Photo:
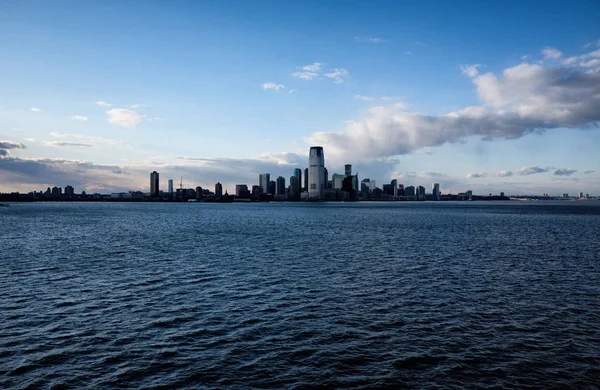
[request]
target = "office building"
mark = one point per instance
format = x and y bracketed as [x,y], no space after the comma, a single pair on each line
[263,181]
[348,170]
[272,187]
[241,190]
[57,191]
[69,191]
[154,185]
[325,177]
[171,187]
[305,188]
[218,190]
[395,190]
[298,175]
[372,185]
[280,184]
[256,191]
[420,193]
[294,187]
[337,181]
[316,173]
[580,194]
[401,190]
[409,191]
[435,191]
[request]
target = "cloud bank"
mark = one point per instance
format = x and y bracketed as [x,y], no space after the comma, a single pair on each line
[523,99]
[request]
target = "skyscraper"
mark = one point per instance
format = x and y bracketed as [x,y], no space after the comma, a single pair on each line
[171,187]
[241,190]
[218,190]
[348,170]
[305,188]
[280,185]
[316,173]
[337,181]
[263,181]
[154,184]
[298,184]
[395,185]
[69,191]
[435,191]
[294,187]
[325,177]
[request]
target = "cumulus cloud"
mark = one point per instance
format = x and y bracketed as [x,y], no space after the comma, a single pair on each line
[532,170]
[365,98]
[291,91]
[476,175]
[551,53]
[11,145]
[273,86]
[123,117]
[523,99]
[504,174]
[564,172]
[34,109]
[103,104]
[308,72]
[338,75]
[64,143]
[470,70]
[80,118]
[368,39]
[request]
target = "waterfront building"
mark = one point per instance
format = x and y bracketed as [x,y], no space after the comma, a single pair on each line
[294,187]
[171,187]
[305,188]
[69,191]
[263,181]
[409,191]
[401,190]
[298,175]
[395,190]
[154,185]
[256,191]
[325,178]
[337,181]
[57,191]
[241,190]
[199,192]
[580,195]
[435,191]
[218,190]
[348,170]
[272,187]
[280,184]
[316,173]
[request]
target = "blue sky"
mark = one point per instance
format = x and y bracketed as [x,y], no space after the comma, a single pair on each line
[475,95]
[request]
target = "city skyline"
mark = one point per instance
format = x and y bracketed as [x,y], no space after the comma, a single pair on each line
[425,95]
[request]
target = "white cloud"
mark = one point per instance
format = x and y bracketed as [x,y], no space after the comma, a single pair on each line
[476,175]
[11,145]
[80,118]
[273,86]
[291,91]
[565,172]
[104,104]
[338,75]
[470,70]
[532,170]
[30,139]
[504,174]
[551,53]
[66,143]
[314,67]
[521,99]
[86,138]
[369,39]
[365,98]
[123,117]
[135,106]
[34,109]
[408,53]
[305,75]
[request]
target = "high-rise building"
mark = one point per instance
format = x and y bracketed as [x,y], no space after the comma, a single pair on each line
[409,191]
[325,177]
[69,191]
[580,195]
[348,170]
[395,185]
[272,187]
[298,175]
[241,190]
[154,185]
[305,188]
[316,173]
[337,181]
[400,189]
[57,191]
[420,193]
[171,187]
[218,190]
[294,187]
[372,185]
[263,181]
[435,191]
[280,183]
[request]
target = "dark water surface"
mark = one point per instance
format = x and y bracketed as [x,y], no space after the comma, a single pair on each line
[369,295]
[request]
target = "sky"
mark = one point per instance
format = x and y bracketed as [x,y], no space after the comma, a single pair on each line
[487,96]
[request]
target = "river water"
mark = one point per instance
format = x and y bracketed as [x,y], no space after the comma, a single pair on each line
[281,295]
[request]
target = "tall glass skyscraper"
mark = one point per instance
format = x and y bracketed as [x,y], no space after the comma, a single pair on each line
[316,173]
[154,185]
